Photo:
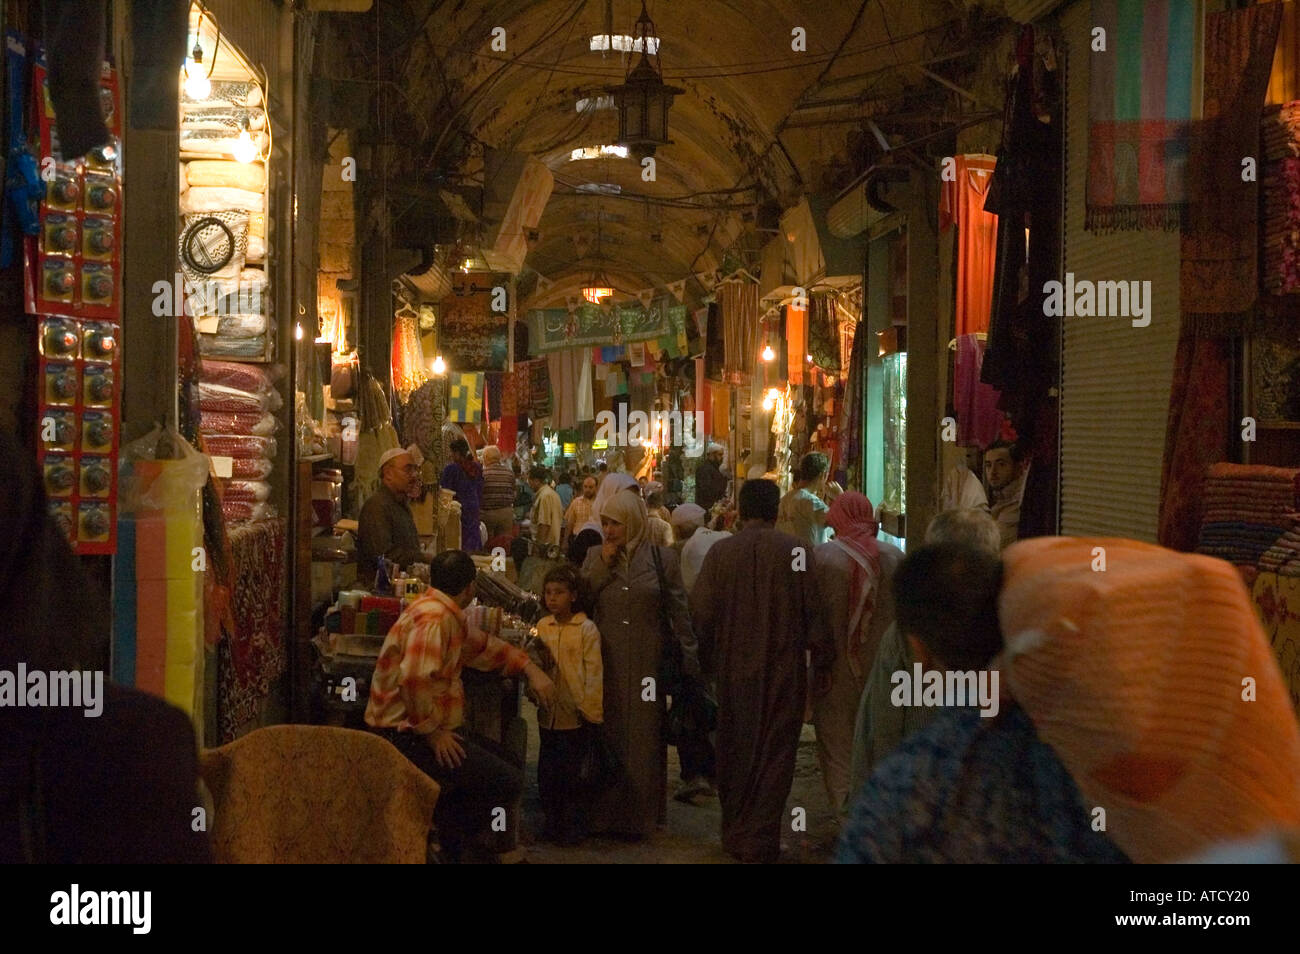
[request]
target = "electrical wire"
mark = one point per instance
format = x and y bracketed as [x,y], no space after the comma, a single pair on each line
[717,71]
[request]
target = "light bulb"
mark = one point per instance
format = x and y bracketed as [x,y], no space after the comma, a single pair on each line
[768,353]
[769,402]
[197,86]
[297,332]
[439,366]
[245,148]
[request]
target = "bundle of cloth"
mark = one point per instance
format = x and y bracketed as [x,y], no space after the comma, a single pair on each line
[236,405]
[1247,510]
[212,126]
[1280,179]
[214,184]
[1153,681]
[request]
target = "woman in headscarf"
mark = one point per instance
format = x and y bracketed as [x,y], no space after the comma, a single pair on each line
[464,475]
[856,569]
[637,590]
[611,485]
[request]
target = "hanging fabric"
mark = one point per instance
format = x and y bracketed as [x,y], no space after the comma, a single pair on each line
[961,203]
[738,302]
[796,341]
[570,374]
[1140,110]
[1220,250]
[408,360]
[979,421]
[823,333]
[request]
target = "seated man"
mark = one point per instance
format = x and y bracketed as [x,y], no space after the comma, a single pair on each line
[1005,469]
[386,527]
[417,701]
[967,788]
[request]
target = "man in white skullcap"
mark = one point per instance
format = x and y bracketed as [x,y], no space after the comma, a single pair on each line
[710,481]
[386,527]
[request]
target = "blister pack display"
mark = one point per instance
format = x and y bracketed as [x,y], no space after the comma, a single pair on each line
[78,400]
[74,262]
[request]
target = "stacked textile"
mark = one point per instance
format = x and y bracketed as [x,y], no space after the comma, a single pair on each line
[236,402]
[232,306]
[1280,132]
[1283,557]
[1246,511]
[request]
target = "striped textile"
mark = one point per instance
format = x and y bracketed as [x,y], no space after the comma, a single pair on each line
[1140,109]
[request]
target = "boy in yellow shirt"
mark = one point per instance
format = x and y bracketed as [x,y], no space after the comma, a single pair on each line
[567,726]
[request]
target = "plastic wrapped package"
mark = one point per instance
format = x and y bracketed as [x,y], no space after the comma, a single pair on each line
[241,326]
[226,174]
[244,510]
[244,422]
[250,491]
[235,374]
[200,199]
[219,397]
[251,468]
[217,346]
[240,446]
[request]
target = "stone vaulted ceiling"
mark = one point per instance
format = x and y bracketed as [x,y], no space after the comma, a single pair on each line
[758,124]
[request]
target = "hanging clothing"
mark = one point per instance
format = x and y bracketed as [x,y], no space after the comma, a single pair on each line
[757,619]
[961,202]
[570,374]
[1022,355]
[979,421]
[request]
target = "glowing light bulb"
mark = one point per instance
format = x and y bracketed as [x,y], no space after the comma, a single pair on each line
[297,332]
[768,353]
[197,85]
[439,366]
[769,402]
[245,148]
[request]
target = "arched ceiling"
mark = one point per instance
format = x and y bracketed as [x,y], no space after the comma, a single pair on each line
[758,124]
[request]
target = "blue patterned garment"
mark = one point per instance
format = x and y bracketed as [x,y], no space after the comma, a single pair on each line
[967,789]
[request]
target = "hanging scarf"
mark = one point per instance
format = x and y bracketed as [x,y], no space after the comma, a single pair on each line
[852,517]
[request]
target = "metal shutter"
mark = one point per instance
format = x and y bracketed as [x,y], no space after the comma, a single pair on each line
[1115,378]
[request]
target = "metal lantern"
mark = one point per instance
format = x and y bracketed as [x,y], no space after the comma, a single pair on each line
[643,100]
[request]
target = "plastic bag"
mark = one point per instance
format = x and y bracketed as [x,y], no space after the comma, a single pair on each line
[236,374]
[251,468]
[249,491]
[240,445]
[160,471]
[218,397]
[241,422]
[236,510]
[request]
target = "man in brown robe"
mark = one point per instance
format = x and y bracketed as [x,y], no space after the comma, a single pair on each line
[757,613]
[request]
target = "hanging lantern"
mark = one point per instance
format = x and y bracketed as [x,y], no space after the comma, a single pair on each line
[598,289]
[643,100]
